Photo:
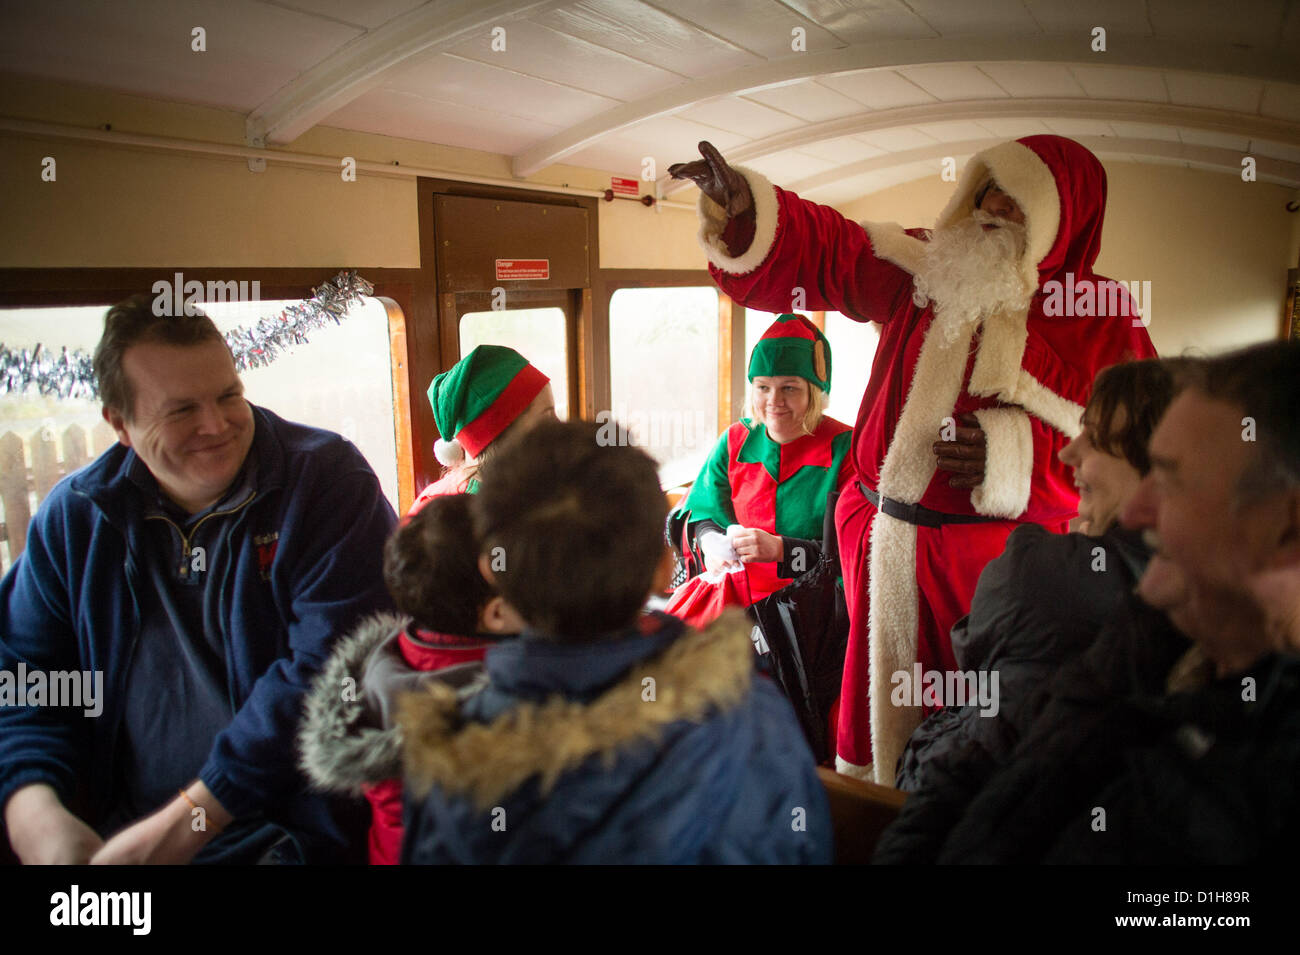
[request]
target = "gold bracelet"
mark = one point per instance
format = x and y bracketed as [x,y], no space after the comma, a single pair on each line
[186,797]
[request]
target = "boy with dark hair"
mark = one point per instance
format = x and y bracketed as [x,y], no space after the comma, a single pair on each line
[349,742]
[602,735]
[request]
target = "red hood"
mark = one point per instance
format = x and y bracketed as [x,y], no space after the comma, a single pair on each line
[1081,190]
[1061,188]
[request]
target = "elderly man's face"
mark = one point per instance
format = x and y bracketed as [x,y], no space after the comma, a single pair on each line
[998,203]
[1206,550]
[192,427]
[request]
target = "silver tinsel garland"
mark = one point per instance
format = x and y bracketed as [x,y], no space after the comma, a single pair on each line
[70,375]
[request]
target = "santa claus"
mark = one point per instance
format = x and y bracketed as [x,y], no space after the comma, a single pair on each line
[974,388]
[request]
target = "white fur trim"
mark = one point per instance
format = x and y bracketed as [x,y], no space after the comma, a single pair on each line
[1009,464]
[998,372]
[1001,351]
[1035,397]
[1025,178]
[890,242]
[853,770]
[713,220]
[936,382]
[892,621]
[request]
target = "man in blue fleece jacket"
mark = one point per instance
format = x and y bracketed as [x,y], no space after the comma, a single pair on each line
[200,568]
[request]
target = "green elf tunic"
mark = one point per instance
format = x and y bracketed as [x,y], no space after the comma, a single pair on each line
[751,480]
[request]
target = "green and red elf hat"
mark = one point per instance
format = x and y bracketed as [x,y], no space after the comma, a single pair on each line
[793,345]
[478,399]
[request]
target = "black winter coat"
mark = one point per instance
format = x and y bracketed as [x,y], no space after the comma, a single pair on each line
[1119,771]
[1037,607]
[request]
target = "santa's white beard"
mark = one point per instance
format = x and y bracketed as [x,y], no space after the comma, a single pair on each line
[971,273]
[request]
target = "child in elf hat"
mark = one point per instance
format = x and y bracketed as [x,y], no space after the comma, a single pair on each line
[491,391]
[349,740]
[761,497]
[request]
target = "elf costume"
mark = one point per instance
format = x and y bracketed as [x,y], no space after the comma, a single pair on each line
[752,480]
[477,399]
[912,547]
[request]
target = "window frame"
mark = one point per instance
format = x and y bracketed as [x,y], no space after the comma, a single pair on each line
[396,289]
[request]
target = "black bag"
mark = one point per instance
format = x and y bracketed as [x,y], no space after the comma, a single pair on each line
[802,631]
[688,562]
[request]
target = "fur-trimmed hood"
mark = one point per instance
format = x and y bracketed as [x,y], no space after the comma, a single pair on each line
[699,672]
[342,746]
[659,745]
[348,738]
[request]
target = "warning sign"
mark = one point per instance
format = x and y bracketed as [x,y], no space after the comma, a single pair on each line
[624,187]
[516,269]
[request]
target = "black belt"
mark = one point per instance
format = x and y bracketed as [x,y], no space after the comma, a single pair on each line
[923,516]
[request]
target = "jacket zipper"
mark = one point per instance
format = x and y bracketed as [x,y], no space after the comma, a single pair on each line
[184,569]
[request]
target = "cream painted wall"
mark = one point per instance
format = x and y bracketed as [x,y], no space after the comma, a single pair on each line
[115,207]
[112,207]
[1215,250]
[634,237]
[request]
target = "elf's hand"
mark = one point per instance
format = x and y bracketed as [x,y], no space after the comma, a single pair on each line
[965,456]
[718,553]
[757,546]
[716,180]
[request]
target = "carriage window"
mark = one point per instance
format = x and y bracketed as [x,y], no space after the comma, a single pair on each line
[853,348]
[536,333]
[663,356]
[341,380]
[756,323]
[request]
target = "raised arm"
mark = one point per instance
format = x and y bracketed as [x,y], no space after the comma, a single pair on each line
[797,255]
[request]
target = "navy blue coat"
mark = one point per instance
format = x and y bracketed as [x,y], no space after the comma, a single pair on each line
[301,564]
[704,764]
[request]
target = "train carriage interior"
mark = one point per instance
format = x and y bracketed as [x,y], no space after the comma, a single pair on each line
[368,191]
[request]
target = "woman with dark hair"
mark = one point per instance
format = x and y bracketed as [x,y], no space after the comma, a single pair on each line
[1037,606]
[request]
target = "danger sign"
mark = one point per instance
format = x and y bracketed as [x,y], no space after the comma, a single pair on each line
[514,269]
[624,187]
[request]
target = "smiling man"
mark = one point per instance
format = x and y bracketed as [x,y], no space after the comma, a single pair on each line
[1221,508]
[1147,752]
[203,564]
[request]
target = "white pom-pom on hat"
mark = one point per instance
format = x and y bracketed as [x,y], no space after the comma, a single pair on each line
[449,453]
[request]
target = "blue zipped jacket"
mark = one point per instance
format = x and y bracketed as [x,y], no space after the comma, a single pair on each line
[297,566]
[657,745]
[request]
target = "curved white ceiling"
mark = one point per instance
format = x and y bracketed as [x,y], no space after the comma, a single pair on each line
[882,90]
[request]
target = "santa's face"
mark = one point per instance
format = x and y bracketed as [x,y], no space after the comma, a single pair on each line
[1001,206]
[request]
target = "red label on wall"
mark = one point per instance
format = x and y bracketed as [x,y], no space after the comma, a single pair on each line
[624,187]
[513,269]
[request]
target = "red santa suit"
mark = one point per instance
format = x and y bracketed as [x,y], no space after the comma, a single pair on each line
[1025,374]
